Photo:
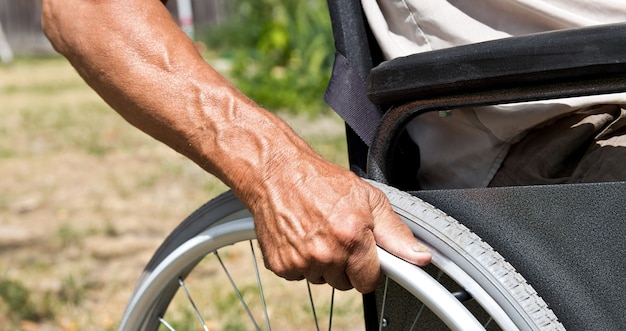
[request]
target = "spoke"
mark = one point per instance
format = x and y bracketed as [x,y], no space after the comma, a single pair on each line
[488,322]
[423,307]
[258,279]
[167,325]
[382,309]
[332,309]
[308,286]
[232,282]
[419,315]
[198,315]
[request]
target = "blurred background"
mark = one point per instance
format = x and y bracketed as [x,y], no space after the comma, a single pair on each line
[279,51]
[85,198]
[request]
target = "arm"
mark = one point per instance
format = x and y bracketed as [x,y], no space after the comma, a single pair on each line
[136,58]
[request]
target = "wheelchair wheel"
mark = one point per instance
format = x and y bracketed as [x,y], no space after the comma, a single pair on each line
[206,276]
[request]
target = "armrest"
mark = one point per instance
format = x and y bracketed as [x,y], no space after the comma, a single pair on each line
[558,64]
[580,55]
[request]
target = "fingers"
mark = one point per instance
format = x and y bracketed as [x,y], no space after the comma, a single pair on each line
[328,269]
[363,268]
[395,237]
[318,261]
[360,271]
[389,232]
[341,262]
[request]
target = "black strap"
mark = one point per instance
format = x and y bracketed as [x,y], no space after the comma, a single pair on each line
[357,53]
[346,95]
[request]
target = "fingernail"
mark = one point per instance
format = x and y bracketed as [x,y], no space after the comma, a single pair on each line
[419,248]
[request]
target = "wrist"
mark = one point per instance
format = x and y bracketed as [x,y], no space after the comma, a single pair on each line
[281,161]
[247,146]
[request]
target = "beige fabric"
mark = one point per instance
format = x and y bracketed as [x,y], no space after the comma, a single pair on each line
[586,146]
[467,148]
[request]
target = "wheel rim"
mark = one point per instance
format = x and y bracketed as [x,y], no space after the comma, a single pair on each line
[152,300]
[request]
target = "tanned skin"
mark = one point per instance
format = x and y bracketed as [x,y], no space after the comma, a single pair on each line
[314,219]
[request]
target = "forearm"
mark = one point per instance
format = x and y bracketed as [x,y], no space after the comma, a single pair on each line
[313,219]
[133,54]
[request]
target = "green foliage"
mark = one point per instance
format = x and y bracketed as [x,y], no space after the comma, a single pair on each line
[280,51]
[16,297]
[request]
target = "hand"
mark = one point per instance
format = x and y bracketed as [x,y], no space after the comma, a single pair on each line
[321,222]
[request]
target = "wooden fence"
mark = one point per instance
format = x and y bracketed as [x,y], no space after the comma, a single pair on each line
[21,22]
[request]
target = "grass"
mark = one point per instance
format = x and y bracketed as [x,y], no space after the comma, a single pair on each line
[85,198]
[288,302]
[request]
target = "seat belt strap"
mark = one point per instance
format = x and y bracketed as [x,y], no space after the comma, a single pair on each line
[346,94]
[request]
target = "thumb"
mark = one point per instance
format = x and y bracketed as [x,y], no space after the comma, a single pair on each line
[395,237]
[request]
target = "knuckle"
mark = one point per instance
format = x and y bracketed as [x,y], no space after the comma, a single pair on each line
[352,230]
[322,256]
[287,269]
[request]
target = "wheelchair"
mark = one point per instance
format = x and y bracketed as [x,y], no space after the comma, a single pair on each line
[526,258]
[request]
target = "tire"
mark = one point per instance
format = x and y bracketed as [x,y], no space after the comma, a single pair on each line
[494,295]
[468,267]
